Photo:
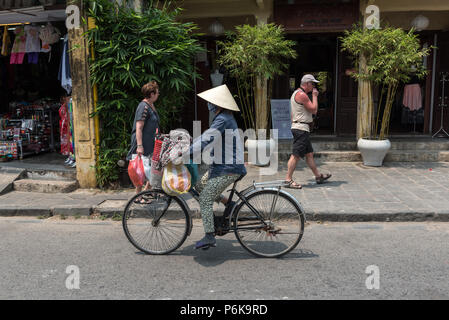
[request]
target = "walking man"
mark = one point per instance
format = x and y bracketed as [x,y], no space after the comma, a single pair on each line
[302,110]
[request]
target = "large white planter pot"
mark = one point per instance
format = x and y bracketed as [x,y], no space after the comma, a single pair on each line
[260,151]
[373,151]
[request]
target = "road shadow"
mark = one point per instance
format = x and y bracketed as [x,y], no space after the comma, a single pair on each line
[227,249]
[330,183]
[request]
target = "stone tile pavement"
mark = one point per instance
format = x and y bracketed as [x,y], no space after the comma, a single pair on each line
[394,192]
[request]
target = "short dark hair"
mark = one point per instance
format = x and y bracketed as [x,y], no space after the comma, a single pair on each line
[149,88]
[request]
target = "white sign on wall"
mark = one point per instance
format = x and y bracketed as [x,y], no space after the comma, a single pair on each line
[372,20]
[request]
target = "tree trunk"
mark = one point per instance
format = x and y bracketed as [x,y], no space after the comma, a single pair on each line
[261,103]
[364,104]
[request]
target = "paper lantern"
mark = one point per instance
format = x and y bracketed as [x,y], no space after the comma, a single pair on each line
[420,22]
[216,28]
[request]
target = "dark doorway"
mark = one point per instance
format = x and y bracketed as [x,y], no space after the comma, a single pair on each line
[317,56]
[347,97]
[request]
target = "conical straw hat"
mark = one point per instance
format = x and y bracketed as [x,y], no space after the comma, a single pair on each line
[220,96]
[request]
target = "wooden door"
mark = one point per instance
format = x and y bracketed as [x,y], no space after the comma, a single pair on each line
[347,91]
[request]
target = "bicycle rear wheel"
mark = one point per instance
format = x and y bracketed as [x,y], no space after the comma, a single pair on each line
[157,226]
[280,230]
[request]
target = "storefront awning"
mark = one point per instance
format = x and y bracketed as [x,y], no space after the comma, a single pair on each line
[32,14]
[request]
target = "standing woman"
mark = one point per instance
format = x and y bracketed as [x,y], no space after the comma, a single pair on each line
[146,122]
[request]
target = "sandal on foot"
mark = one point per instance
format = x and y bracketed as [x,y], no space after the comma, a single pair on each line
[138,200]
[293,185]
[322,178]
[142,200]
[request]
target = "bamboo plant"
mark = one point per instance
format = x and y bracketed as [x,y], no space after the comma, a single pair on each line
[131,49]
[385,58]
[254,55]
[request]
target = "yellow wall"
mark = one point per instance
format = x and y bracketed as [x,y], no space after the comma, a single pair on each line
[398,13]
[228,23]
[229,12]
[409,5]
[438,20]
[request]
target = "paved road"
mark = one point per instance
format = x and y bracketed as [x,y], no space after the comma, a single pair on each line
[329,263]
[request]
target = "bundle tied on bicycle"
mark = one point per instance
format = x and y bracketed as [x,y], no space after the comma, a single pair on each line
[167,170]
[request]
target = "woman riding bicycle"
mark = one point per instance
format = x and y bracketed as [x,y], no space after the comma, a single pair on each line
[222,172]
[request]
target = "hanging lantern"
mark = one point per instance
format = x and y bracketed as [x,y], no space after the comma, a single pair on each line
[216,28]
[420,22]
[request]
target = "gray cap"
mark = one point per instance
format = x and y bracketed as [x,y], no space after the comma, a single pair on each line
[309,78]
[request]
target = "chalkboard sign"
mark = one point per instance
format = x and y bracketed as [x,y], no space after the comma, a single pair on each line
[280,115]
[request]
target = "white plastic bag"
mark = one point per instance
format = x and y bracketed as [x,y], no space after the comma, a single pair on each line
[156,176]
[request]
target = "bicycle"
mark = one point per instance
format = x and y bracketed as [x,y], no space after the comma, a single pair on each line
[262,218]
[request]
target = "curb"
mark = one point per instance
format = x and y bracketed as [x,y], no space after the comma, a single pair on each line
[379,217]
[317,216]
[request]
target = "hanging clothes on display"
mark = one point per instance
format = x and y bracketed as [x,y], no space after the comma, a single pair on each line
[413,112]
[71,160]
[64,129]
[19,46]
[71,125]
[412,97]
[33,117]
[5,42]
[49,35]
[33,44]
[64,67]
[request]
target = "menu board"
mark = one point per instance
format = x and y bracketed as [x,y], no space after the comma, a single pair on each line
[281,120]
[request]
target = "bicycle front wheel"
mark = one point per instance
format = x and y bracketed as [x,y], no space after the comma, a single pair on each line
[155,222]
[270,225]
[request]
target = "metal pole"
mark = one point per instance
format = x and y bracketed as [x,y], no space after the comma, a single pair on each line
[443,105]
[434,71]
[336,89]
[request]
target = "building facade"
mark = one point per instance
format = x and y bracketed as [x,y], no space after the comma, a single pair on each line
[316,26]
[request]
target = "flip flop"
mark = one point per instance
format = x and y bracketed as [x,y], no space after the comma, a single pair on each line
[141,200]
[293,185]
[322,178]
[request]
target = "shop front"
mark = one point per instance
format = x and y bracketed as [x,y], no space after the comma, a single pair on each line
[36,111]
[316,27]
[213,19]
[430,20]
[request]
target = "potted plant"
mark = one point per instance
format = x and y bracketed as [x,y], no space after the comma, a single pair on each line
[254,55]
[384,58]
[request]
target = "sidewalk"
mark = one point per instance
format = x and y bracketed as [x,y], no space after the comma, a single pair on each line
[394,192]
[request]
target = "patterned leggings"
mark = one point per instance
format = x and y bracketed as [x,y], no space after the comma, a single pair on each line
[210,191]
